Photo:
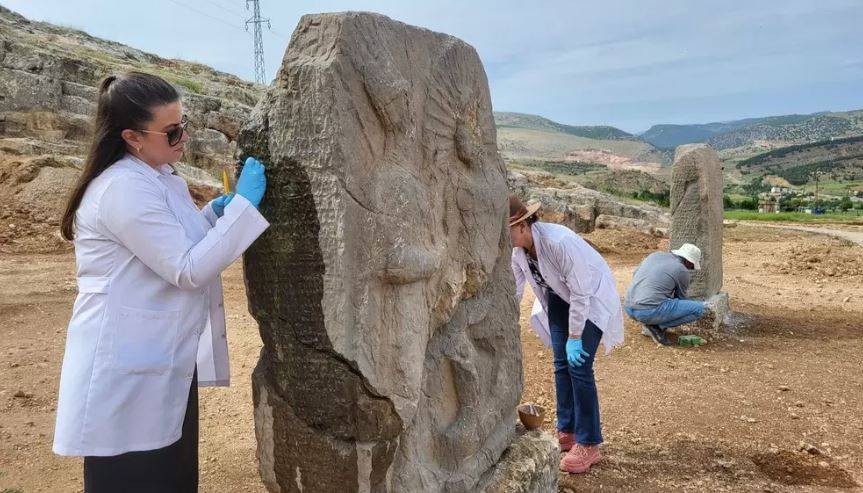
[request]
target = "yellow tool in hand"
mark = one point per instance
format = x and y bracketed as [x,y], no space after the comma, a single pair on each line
[226,181]
[229,176]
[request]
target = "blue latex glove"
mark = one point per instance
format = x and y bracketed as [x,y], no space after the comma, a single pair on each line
[252,182]
[575,353]
[218,204]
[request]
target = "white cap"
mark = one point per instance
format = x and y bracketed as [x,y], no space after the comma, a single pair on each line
[691,253]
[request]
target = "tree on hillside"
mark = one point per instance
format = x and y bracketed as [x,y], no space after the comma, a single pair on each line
[748,203]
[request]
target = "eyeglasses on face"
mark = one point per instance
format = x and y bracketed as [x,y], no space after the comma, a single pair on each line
[175,134]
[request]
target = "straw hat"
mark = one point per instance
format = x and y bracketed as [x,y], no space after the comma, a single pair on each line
[691,253]
[518,212]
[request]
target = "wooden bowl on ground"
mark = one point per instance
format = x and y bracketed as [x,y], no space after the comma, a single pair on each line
[531,415]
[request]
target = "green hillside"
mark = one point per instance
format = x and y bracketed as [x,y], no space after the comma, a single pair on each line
[836,160]
[534,138]
[534,122]
[785,129]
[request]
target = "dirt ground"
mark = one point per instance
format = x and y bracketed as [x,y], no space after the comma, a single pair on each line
[729,416]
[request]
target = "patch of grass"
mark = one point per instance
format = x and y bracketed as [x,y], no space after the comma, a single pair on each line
[662,199]
[795,217]
[737,197]
[175,72]
[549,145]
[194,86]
[562,167]
[834,187]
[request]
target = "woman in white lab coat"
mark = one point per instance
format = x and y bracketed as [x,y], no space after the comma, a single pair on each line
[148,323]
[577,293]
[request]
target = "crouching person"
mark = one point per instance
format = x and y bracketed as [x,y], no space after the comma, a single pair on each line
[657,296]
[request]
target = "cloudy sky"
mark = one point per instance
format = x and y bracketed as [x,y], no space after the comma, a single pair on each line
[628,63]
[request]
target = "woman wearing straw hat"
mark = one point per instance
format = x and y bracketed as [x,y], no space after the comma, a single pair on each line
[577,292]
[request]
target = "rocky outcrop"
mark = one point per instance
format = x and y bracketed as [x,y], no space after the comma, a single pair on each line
[48,79]
[49,75]
[36,178]
[628,181]
[583,209]
[35,188]
[529,465]
[383,288]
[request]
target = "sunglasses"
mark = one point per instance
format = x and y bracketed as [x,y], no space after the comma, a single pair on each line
[174,135]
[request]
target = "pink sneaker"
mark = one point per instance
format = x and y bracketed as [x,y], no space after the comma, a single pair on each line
[566,440]
[580,458]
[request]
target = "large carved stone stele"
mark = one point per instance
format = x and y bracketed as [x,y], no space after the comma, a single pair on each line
[383,289]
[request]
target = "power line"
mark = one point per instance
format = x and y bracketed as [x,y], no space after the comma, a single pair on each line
[223,7]
[237,6]
[256,21]
[278,34]
[193,9]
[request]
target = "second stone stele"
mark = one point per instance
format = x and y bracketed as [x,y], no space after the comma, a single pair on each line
[697,217]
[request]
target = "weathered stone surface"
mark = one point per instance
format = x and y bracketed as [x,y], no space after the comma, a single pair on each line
[605,221]
[208,149]
[226,122]
[518,184]
[720,306]
[46,193]
[529,465]
[48,88]
[197,176]
[717,314]
[44,125]
[696,213]
[50,69]
[383,289]
[21,90]
[581,208]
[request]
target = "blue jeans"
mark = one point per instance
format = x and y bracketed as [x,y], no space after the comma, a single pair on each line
[669,313]
[575,386]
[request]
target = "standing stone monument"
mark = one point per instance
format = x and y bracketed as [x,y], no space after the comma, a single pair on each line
[696,217]
[383,290]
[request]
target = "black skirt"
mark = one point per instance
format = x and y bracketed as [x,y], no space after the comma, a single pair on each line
[171,469]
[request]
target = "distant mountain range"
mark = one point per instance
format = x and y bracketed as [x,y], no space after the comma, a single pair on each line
[791,147]
[522,137]
[838,160]
[534,122]
[785,129]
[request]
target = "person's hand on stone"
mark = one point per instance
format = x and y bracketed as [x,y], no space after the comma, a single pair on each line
[252,182]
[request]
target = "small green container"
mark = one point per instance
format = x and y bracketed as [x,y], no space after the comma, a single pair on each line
[690,340]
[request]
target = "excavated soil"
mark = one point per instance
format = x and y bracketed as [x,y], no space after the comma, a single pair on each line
[775,404]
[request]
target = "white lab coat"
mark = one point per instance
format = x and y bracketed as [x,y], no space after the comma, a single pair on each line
[579,275]
[149,308]
[539,322]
